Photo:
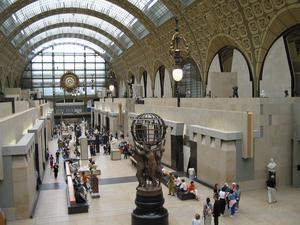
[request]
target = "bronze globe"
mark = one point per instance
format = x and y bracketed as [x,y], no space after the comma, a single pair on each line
[148,129]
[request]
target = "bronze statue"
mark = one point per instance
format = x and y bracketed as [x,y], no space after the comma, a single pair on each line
[148,131]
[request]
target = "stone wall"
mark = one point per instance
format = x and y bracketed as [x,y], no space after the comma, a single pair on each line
[14,126]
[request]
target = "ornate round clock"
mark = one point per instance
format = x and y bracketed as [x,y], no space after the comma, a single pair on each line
[69,81]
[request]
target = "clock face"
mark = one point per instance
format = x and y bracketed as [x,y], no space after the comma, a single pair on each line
[69,81]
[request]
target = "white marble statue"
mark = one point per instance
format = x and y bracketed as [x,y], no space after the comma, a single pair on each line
[114,143]
[72,143]
[272,166]
[82,126]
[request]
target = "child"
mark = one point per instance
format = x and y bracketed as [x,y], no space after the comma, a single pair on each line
[196,220]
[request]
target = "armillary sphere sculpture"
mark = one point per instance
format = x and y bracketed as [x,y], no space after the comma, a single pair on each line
[148,131]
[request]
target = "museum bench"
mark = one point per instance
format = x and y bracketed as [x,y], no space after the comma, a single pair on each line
[74,207]
[185,196]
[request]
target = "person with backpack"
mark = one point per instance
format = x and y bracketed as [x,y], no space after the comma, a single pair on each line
[207,212]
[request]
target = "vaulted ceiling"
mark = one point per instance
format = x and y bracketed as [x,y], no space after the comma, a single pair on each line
[112,25]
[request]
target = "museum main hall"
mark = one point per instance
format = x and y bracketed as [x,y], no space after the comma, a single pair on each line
[149,112]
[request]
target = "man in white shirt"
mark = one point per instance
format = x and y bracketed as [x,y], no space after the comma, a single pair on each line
[222,198]
[183,186]
[177,181]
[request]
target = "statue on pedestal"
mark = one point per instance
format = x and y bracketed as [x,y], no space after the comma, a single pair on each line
[94,179]
[148,131]
[82,126]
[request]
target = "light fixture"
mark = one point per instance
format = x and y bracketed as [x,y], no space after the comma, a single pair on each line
[177,74]
[179,50]
[111,87]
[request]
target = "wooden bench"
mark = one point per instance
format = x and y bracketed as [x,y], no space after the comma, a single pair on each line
[133,161]
[185,196]
[74,207]
[71,193]
[68,172]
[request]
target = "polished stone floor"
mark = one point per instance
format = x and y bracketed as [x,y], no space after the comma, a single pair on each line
[116,203]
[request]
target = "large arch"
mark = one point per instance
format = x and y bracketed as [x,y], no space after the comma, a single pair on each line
[124,5]
[74,43]
[75,30]
[219,42]
[71,35]
[87,12]
[191,84]
[284,19]
[87,26]
[237,63]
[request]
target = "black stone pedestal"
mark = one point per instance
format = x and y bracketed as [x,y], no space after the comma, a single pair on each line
[149,210]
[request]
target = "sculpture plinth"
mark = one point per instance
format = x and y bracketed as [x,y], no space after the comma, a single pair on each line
[149,210]
[148,131]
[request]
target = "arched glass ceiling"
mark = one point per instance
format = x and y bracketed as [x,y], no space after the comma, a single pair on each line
[74,18]
[187,2]
[72,40]
[5,3]
[102,6]
[155,10]
[76,30]
[112,49]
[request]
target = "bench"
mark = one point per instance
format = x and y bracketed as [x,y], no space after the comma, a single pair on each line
[68,172]
[71,192]
[133,161]
[185,196]
[74,207]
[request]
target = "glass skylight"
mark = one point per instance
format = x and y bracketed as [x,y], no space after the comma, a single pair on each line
[62,41]
[102,6]
[187,2]
[59,41]
[5,3]
[74,18]
[73,30]
[155,10]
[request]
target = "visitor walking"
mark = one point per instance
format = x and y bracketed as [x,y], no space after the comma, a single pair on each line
[207,212]
[57,156]
[216,210]
[51,161]
[55,170]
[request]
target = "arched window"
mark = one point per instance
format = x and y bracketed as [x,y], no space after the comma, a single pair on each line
[281,68]
[230,69]
[47,67]
[292,42]
[191,84]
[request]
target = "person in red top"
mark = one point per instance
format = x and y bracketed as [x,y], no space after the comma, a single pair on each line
[192,189]
[85,180]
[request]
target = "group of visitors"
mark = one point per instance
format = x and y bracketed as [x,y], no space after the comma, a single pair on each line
[226,201]
[176,184]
